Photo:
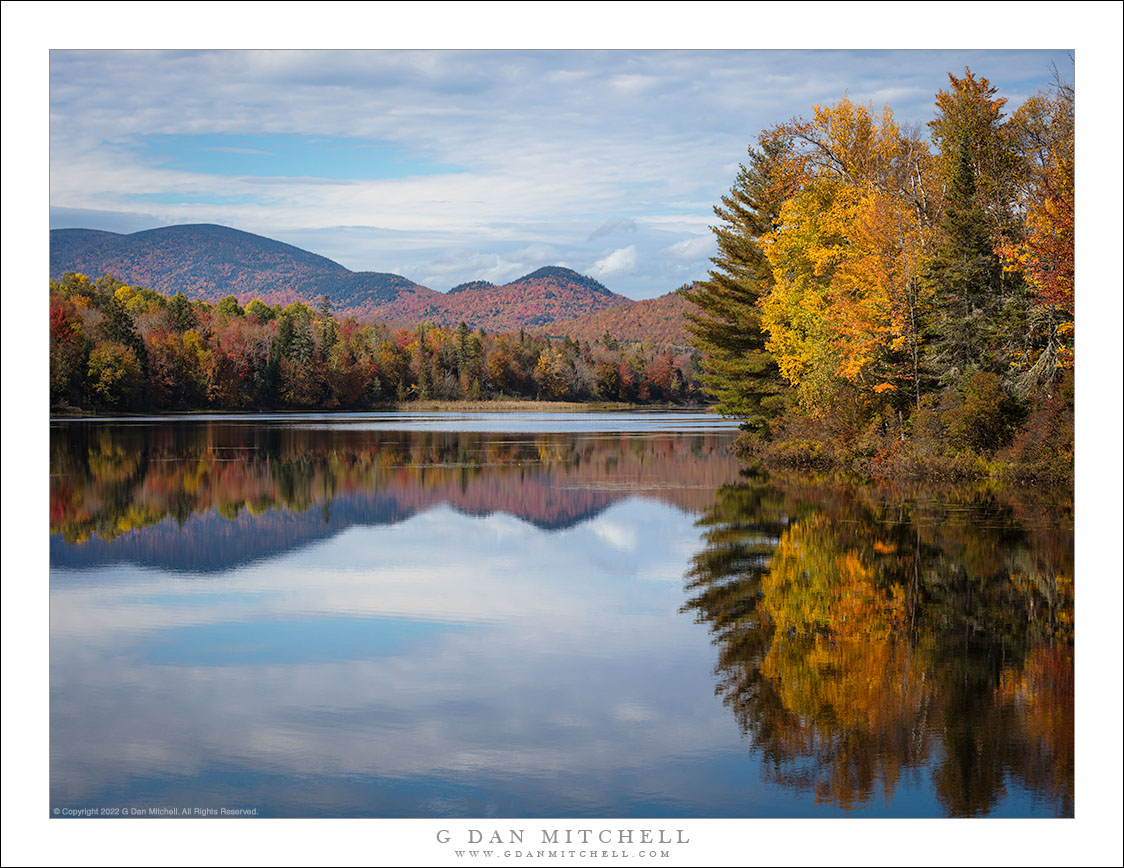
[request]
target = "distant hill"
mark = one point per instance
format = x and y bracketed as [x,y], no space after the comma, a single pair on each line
[68,244]
[472,284]
[210,262]
[383,296]
[659,320]
[534,300]
[201,260]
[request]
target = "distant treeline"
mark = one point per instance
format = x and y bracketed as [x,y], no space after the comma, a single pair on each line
[116,347]
[108,480]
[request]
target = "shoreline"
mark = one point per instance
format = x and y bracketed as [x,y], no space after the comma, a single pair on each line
[970,470]
[998,473]
[504,406]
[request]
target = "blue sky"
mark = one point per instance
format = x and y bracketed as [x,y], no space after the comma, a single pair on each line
[448,166]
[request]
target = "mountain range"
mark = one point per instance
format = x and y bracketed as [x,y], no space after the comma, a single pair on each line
[659,320]
[209,262]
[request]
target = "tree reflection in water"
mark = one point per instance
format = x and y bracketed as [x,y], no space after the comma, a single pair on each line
[867,637]
[109,480]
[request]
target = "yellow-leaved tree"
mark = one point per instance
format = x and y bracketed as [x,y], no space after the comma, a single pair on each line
[844,313]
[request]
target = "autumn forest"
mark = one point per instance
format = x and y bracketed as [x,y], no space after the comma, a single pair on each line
[885,301]
[675,457]
[898,303]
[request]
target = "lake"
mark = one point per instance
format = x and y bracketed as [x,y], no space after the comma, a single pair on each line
[541,615]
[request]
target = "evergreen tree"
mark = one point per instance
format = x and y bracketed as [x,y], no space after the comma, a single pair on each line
[328,329]
[119,327]
[982,310]
[463,356]
[181,316]
[965,274]
[737,370]
[269,385]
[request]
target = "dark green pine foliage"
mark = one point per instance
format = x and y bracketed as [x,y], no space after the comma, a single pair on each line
[736,368]
[724,592]
[966,276]
[327,327]
[181,316]
[118,326]
[295,335]
[269,384]
[463,351]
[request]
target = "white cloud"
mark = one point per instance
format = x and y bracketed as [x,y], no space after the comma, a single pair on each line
[458,265]
[680,221]
[545,143]
[610,227]
[619,536]
[691,248]
[620,261]
[564,620]
[633,84]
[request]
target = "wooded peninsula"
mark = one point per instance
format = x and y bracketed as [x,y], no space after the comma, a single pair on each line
[896,307]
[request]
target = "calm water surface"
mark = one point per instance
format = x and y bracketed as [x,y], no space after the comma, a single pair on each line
[519,615]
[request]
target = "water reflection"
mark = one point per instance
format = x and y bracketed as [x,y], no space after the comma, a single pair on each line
[210,495]
[865,637]
[352,623]
[341,621]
